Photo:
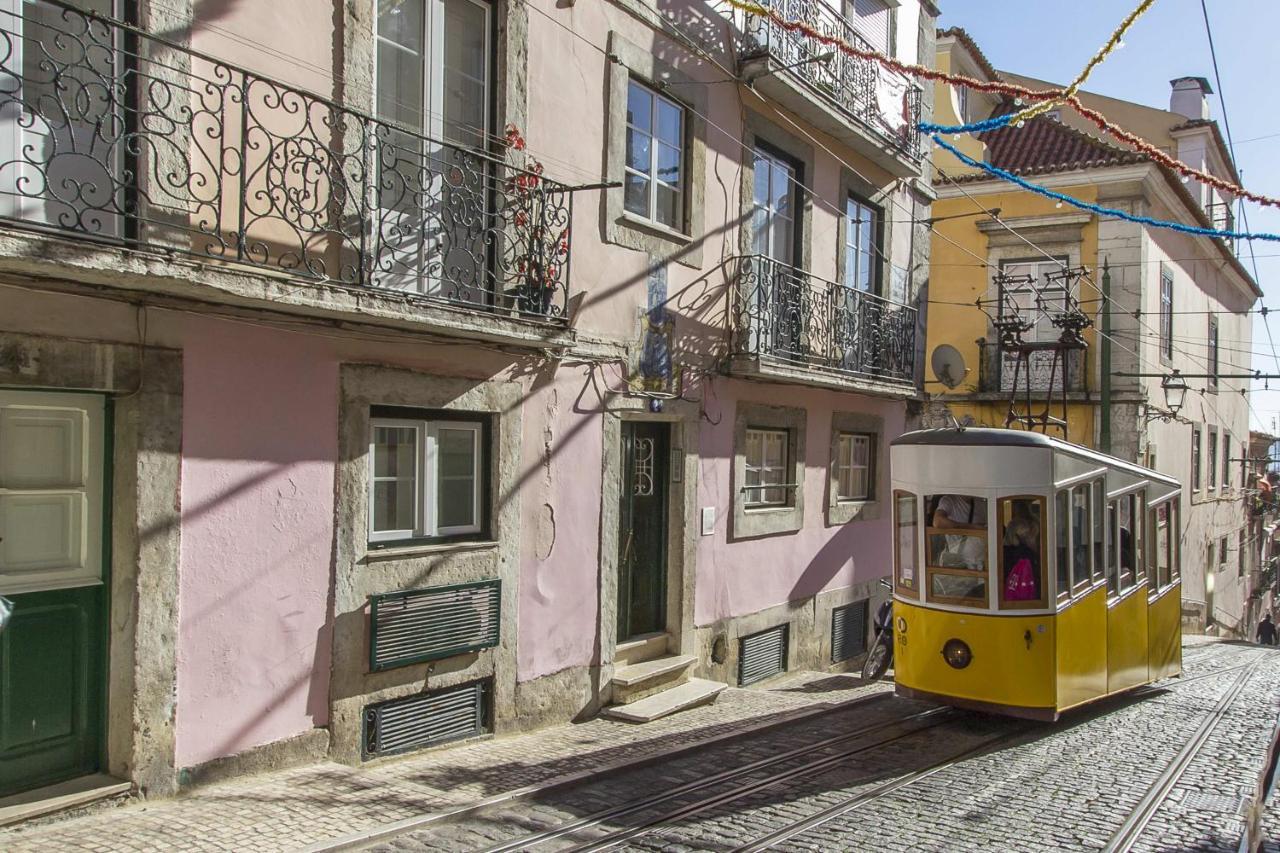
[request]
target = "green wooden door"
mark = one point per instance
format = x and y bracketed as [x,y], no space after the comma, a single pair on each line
[52,566]
[642,540]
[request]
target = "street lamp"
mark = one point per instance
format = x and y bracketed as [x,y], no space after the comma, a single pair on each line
[1175,392]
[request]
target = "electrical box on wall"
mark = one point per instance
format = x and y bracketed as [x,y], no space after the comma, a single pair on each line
[708,520]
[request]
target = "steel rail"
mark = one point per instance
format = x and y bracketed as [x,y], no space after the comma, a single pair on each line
[614,840]
[1129,832]
[632,806]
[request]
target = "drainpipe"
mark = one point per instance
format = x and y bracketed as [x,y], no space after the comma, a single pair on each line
[1104,425]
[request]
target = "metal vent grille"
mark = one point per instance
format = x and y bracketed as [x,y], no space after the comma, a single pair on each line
[762,655]
[427,624]
[848,631]
[420,721]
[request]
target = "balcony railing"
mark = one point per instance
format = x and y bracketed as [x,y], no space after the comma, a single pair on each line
[113,134]
[883,101]
[789,316]
[997,368]
[1223,218]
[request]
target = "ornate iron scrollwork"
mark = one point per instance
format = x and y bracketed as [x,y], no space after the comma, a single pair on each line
[122,136]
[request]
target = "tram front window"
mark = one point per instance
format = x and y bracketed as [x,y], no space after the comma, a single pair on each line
[1021,552]
[957,548]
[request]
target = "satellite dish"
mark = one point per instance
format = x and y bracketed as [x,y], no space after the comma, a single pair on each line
[948,365]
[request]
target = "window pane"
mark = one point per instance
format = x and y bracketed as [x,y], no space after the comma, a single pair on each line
[1080,535]
[456,502]
[1021,531]
[670,123]
[400,21]
[761,171]
[1162,545]
[640,107]
[638,151]
[636,194]
[394,451]
[669,164]
[669,206]
[456,452]
[957,532]
[400,87]
[1099,532]
[393,505]
[904,520]
[1063,519]
[971,589]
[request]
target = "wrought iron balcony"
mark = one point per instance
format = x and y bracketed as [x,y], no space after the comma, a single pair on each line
[787,316]
[882,102]
[112,134]
[997,368]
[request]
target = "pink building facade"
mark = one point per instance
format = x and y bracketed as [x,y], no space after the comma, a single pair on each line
[447,368]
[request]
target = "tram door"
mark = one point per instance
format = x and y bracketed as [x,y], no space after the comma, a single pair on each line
[1127,649]
[642,539]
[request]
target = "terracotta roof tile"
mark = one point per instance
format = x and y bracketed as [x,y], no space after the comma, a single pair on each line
[960,35]
[1044,145]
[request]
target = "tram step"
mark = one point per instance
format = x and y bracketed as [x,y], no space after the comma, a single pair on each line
[690,694]
[637,680]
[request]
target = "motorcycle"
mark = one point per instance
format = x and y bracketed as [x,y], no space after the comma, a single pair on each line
[880,656]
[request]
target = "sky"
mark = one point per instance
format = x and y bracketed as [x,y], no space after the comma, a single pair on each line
[1053,41]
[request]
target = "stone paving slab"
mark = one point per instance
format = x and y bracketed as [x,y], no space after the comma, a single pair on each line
[296,808]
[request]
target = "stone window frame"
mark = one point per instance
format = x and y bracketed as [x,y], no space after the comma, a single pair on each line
[629,61]
[768,521]
[844,511]
[758,131]
[880,199]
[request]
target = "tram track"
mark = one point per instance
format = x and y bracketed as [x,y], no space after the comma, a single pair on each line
[623,810]
[896,729]
[1130,831]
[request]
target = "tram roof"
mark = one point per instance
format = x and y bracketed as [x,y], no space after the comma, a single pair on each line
[992,437]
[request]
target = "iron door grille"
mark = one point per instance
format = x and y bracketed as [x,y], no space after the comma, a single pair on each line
[848,631]
[762,655]
[427,624]
[426,720]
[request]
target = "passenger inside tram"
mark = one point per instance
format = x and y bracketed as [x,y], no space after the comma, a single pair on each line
[1020,554]
[961,549]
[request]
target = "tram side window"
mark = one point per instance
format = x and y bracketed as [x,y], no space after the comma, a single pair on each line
[1062,515]
[1081,535]
[1113,547]
[1021,553]
[957,548]
[1127,542]
[1098,507]
[904,531]
[1175,539]
[1163,545]
[1139,527]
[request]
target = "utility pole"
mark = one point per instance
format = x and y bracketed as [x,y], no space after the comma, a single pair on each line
[1104,415]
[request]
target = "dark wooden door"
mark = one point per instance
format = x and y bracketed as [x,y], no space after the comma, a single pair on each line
[53,567]
[642,563]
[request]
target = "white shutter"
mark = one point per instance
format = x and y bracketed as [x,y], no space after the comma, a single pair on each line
[871,19]
[51,462]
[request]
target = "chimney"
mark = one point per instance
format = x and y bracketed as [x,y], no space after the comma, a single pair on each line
[1190,97]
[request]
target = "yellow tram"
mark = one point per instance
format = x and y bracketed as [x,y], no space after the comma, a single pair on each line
[1030,575]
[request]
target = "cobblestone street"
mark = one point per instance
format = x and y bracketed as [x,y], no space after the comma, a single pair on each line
[809,762]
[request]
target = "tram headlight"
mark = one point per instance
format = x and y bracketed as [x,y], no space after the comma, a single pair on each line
[957,653]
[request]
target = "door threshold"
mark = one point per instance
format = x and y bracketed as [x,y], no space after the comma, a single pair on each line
[64,795]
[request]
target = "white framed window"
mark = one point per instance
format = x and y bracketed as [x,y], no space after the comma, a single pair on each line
[861,245]
[1166,313]
[426,478]
[1211,474]
[774,207]
[855,466]
[1195,459]
[1213,355]
[766,468]
[433,67]
[1226,460]
[654,182]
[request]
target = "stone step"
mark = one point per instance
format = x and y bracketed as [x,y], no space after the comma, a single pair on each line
[690,694]
[641,648]
[638,680]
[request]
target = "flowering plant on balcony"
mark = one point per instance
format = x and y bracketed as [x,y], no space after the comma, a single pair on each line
[543,254]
